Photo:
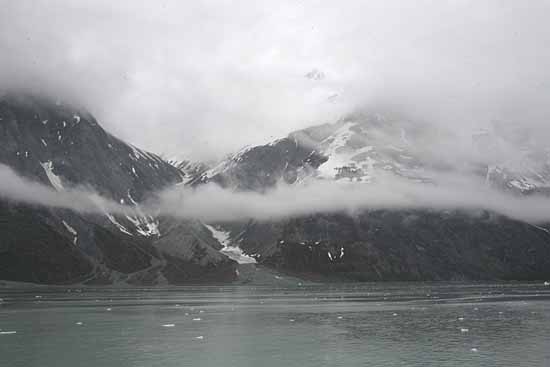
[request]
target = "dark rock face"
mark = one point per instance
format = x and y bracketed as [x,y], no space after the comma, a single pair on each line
[387,245]
[35,131]
[262,167]
[62,146]
[32,251]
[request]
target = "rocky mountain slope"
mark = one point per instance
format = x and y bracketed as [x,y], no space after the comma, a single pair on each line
[63,147]
[383,244]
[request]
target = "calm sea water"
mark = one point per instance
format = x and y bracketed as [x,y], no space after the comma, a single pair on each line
[406,324]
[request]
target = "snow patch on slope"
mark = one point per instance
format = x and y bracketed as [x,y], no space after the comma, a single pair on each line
[339,139]
[146,225]
[71,231]
[55,180]
[232,252]
[118,225]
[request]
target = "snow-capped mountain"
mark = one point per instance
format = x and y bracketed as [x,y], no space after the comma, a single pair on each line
[64,147]
[516,161]
[385,244]
[355,148]
[358,146]
[361,146]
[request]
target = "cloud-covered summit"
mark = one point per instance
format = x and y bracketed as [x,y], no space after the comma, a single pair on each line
[205,78]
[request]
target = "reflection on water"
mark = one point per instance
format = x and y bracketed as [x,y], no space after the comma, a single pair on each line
[405,324]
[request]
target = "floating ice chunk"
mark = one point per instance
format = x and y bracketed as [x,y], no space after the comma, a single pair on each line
[44,122]
[394,314]
[197,319]
[464,330]
[201,311]
[547,284]
[340,317]
[168,325]
[76,119]
[291,320]
[473,350]
[37,296]
[44,142]
[79,323]
[7,332]
[200,337]
[109,309]
[461,319]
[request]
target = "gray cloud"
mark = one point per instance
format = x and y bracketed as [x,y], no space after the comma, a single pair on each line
[451,192]
[212,203]
[21,190]
[203,78]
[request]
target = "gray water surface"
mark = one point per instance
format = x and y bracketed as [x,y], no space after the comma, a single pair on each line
[384,324]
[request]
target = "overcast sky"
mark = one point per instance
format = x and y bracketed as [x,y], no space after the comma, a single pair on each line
[203,78]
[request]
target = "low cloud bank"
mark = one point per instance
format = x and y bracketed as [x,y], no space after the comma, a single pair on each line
[213,203]
[21,190]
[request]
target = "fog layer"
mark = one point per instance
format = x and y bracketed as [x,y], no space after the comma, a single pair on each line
[211,203]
